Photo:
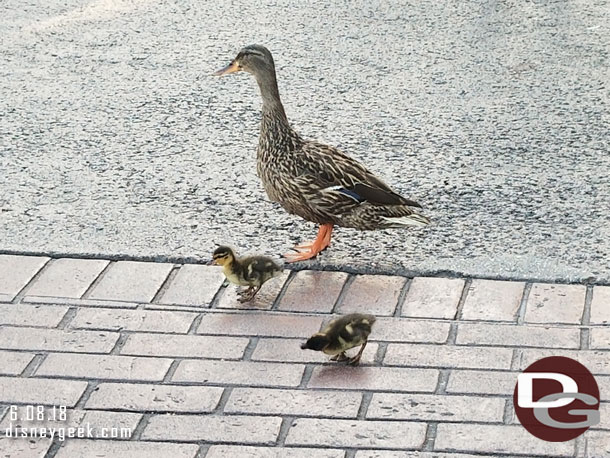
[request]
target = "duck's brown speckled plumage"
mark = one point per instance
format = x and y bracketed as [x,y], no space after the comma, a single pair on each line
[317,182]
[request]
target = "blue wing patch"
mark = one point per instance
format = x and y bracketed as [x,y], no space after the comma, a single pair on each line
[348,192]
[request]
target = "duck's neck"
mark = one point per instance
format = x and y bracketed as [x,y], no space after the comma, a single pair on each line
[274,123]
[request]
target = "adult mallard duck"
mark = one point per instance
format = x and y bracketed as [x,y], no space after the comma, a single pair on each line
[315,181]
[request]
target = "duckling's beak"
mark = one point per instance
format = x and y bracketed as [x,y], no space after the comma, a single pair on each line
[231,68]
[304,346]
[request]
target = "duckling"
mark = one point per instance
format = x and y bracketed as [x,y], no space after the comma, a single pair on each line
[251,271]
[342,334]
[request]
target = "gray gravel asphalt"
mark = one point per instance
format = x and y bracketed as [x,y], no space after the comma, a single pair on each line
[115,139]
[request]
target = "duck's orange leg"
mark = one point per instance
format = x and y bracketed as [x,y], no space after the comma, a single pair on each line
[311,250]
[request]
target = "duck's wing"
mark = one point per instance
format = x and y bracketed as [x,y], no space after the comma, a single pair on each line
[326,171]
[255,268]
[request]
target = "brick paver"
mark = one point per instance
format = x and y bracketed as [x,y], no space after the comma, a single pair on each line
[67,277]
[185,346]
[496,439]
[433,297]
[154,398]
[259,324]
[355,433]
[493,300]
[16,272]
[239,373]
[294,402]
[193,285]
[241,451]
[57,340]
[518,336]
[104,367]
[374,378]
[600,305]
[31,448]
[549,303]
[133,320]
[238,429]
[131,281]
[447,356]
[124,449]
[14,362]
[167,355]
[374,294]
[96,420]
[18,390]
[430,407]
[47,316]
[311,291]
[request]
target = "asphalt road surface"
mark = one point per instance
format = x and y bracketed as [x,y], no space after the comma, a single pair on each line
[116,141]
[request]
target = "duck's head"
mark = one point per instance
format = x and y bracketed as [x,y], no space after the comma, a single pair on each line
[255,59]
[317,342]
[223,255]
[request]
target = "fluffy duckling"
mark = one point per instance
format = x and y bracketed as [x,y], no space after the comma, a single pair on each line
[342,334]
[251,271]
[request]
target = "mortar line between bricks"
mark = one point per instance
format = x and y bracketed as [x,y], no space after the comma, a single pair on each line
[217,297]
[136,434]
[91,387]
[367,397]
[430,436]
[443,380]
[171,371]
[402,297]
[278,299]
[451,335]
[97,280]
[222,402]
[462,301]
[284,429]
[249,350]
[307,373]
[382,348]
[53,449]
[514,361]
[165,284]
[508,412]
[67,318]
[523,305]
[585,333]
[195,324]
[33,366]
[203,451]
[344,288]
[579,445]
[23,291]
[120,343]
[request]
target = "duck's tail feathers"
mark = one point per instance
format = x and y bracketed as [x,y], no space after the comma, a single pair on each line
[414,219]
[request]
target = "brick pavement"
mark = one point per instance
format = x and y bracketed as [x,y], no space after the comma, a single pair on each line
[165,354]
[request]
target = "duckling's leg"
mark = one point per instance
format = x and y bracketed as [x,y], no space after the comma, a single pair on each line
[248,294]
[311,250]
[356,359]
[340,357]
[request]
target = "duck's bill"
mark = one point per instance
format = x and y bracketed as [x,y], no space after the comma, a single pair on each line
[231,68]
